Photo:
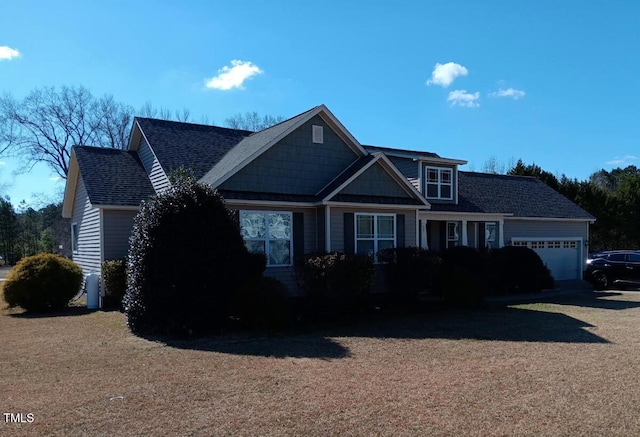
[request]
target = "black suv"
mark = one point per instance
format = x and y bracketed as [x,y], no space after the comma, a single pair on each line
[620,267]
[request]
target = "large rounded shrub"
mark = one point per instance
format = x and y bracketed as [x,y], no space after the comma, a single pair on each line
[518,269]
[185,260]
[462,276]
[42,282]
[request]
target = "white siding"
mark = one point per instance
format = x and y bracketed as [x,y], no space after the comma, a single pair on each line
[88,220]
[117,226]
[159,179]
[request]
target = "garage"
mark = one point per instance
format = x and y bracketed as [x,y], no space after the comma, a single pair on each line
[561,256]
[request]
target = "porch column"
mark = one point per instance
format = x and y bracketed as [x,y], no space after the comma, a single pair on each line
[424,244]
[501,233]
[465,238]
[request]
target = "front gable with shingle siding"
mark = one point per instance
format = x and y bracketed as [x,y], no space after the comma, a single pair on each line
[295,164]
[375,181]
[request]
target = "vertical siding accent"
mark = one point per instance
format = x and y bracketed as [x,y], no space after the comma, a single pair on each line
[117,227]
[88,220]
[158,177]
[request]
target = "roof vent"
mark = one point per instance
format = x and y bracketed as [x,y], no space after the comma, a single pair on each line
[317,134]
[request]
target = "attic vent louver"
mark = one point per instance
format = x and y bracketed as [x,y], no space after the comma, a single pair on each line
[317,134]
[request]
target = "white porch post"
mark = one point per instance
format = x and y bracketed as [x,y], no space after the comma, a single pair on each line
[423,238]
[465,238]
[501,233]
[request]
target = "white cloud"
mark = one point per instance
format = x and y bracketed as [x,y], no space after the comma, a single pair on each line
[3,163]
[625,160]
[55,178]
[463,98]
[509,92]
[234,76]
[445,74]
[7,53]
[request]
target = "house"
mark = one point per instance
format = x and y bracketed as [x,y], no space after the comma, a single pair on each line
[307,185]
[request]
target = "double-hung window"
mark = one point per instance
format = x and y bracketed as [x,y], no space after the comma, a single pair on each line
[269,233]
[439,183]
[375,232]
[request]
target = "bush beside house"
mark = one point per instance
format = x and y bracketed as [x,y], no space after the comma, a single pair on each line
[114,279]
[186,260]
[42,282]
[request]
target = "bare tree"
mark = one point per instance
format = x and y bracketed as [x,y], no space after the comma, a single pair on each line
[44,126]
[147,110]
[252,121]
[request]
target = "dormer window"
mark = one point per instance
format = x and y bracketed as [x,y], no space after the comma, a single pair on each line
[439,183]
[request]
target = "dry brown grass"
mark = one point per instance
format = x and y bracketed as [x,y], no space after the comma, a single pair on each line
[567,367]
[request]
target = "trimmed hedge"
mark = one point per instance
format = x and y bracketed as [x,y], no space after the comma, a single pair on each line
[516,269]
[338,282]
[462,277]
[262,303]
[409,271]
[114,278]
[43,282]
[186,259]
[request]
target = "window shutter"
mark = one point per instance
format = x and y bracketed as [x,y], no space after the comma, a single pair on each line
[349,234]
[236,215]
[298,234]
[400,230]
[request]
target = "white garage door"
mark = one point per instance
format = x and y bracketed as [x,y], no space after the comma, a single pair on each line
[562,257]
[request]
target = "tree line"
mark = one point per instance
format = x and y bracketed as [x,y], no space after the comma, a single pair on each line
[26,231]
[612,197]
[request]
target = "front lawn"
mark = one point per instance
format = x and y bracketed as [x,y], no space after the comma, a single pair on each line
[569,366]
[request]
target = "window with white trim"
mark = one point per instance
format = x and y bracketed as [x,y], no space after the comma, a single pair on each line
[374,232]
[269,233]
[74,237]
[438,183]
[452,234]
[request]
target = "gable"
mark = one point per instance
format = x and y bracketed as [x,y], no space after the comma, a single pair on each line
[295,164]
[375,181]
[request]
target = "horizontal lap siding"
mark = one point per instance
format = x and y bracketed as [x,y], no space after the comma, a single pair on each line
[88,222]
[117,226]
[544,229]
[159,179]
[337,225]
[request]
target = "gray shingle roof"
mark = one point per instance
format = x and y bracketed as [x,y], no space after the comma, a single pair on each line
[522,196]
[113,176]
[372,149]
[247,147]
[195,146]
[345,175]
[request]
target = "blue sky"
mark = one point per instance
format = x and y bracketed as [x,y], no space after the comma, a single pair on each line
[555,83]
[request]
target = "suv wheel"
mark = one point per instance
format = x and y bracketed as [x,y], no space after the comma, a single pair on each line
[600,280]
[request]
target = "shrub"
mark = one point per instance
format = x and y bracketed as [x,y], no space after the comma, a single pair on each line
[114,278]
[462,277]
[262,303]
[42,282]
[516,269]
[408,271]
[185,260]
[338,282]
